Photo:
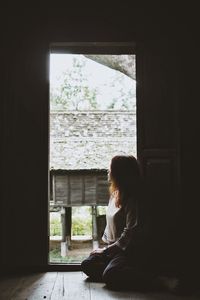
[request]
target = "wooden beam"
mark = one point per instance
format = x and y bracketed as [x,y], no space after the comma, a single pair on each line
[94,223]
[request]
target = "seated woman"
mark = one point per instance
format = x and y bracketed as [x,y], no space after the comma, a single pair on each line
[124,262]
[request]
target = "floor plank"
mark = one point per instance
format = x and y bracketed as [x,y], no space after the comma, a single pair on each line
[35,287]
[70,286]
[75,287]
[57,291]
[9,286]
[98,291]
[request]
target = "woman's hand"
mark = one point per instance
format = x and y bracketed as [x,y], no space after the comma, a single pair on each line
[98,251]
[111,250]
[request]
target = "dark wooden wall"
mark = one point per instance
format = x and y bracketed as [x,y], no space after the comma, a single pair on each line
[168,121]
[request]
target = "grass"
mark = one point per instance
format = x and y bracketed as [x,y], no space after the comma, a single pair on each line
[55,257]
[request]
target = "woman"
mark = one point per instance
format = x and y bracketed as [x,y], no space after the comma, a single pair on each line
[118,264]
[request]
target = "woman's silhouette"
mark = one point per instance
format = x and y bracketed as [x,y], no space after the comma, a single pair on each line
[122,262]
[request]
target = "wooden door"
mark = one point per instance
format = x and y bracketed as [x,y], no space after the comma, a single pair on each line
[158,135]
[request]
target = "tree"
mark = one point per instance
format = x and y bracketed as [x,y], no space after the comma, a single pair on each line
[125,98]
[73,92]
[115,92]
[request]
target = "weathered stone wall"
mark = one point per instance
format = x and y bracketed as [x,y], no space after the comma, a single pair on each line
[88,140]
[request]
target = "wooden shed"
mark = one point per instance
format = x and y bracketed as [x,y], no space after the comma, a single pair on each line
[79,187]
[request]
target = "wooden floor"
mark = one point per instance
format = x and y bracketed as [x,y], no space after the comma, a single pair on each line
[70,286]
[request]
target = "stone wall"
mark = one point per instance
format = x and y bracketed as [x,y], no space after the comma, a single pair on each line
[88,140]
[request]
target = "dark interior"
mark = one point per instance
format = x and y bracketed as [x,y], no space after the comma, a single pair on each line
[167,56]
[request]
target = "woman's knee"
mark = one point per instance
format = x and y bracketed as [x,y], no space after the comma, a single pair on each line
[111,276]
[93,266]
[86,266]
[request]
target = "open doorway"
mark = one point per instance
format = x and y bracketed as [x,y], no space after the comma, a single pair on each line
[92,118]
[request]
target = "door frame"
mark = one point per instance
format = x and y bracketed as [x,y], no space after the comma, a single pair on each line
[116,48]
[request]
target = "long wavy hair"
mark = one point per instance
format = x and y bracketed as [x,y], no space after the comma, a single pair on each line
[124,178]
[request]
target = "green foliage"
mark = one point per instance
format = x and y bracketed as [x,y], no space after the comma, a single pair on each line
[124,98]
[81,222]
[55,227]
[101,210]
[55,257]
[81,226]
[74,92]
